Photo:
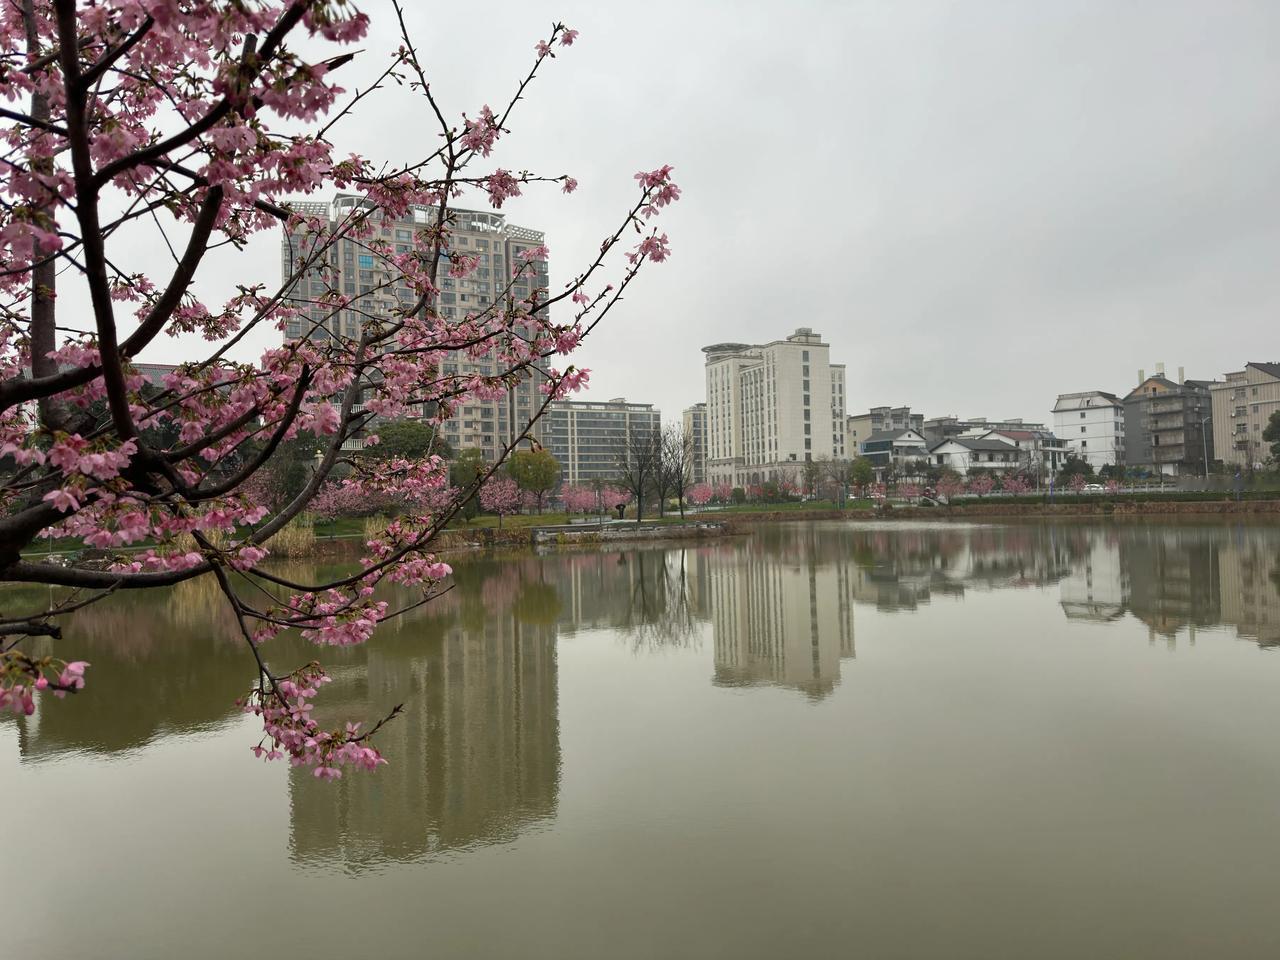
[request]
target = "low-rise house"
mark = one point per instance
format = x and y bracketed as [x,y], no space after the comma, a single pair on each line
[964,454]
[900,450]
[1041,454]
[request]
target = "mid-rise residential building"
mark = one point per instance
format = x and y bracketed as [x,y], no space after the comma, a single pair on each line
[354,271]
[1091,424]
[771,407]
[695,428]
[590,439]
[938,429]
[858,429]
[1168,426]
[1242,405]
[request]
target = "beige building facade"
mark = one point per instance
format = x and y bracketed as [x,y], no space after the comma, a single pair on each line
[1242,405]
[355,272]
[771,407]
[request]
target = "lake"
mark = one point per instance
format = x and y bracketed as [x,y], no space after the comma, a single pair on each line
[820,740]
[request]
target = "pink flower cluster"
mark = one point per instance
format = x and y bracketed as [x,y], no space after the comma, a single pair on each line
[22,676]
[291,731]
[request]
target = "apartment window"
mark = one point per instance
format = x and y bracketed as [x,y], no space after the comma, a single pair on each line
[1082,429]
[1084,444]
[366,261]
[1255,408]
[805,386]
[1081,414]
[804,355]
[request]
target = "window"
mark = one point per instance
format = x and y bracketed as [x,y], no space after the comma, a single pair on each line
[804,355]
[1081,414]
[1082,429]
[1084,444]
[366,261]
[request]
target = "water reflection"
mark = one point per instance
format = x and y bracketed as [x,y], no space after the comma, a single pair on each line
[476,757]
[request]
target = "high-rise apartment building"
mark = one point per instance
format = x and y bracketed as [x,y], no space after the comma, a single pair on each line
[590,439]
[354,271]
[1091,424]
[771,407]
[695,428]
[1242,406]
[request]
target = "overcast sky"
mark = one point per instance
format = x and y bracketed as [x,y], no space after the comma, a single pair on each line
[978,205]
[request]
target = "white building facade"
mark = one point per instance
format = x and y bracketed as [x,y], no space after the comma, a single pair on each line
[1091,424]
[772,407]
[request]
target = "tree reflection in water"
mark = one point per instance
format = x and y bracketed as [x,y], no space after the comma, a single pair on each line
[476,757]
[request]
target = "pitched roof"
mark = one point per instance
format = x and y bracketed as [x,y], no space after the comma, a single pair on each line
[970,443]
[1270,369]
[891,435]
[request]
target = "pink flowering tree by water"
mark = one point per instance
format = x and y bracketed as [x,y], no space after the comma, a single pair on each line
[190,126]
[950,486]
[721,492]
[1077,482]
[699,494]
[501,495]
[579,499]
[982,484]
[910,490]
[1015,483]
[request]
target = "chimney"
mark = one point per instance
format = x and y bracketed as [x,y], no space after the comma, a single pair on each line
[1142,375]
[1182,374]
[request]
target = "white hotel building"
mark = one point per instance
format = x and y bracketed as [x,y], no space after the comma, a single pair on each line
[771,407]
[1091,424]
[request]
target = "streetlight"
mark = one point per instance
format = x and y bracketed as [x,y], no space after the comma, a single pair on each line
[1204,444]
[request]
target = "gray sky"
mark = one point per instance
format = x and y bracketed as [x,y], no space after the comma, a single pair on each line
[979,205]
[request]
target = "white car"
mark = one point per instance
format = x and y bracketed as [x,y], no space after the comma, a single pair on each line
[1094,488]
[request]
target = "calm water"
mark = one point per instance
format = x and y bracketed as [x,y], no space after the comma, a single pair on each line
[879,740]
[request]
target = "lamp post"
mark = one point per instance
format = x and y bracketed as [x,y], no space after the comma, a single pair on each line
[1204,444]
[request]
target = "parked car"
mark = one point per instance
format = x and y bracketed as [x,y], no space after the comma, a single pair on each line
[1094,488]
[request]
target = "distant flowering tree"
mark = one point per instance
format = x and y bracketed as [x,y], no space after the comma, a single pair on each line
[1015,483]
[501,495]
[722,492]
[1077,482]
[200,121]
[950,486]
[699,494]
[579,499]
[910,491]
[982,484]
[1113,485]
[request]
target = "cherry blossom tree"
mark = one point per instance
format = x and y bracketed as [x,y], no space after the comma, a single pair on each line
[501,495]
[910,491]
[699,494]
[950,486]
[722,492]
[1113,485]
[982,484]
[191,126]
[1077,482]
[579,499]
[1015,483]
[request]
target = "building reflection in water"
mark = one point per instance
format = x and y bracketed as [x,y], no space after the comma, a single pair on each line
[475,759]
